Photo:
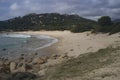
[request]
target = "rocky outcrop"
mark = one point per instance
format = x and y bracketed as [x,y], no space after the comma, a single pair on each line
[13,66]
[39,60]
[19,68]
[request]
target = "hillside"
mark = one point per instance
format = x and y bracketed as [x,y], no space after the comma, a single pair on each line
[117,20]
[47,21]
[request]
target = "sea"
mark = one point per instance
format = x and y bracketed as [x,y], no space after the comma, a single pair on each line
[12,44]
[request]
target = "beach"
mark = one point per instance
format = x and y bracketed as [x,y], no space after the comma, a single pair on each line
[62,55]
[75,44]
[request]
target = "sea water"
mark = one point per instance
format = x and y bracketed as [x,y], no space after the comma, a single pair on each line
[14,44]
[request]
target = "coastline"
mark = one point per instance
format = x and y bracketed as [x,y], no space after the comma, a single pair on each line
[69,47]
[44,41]
[75,44]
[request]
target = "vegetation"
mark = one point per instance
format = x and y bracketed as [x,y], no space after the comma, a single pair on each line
[105,25]
[84,64]
[56,21]
[115,28]
[105,21]
[48,21]
[82,27]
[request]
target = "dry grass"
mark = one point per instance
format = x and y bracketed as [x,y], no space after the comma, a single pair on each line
[84,64]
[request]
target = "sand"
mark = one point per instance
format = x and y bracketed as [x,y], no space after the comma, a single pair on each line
[75,44]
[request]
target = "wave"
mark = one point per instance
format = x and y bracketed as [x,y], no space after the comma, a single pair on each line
[16,35]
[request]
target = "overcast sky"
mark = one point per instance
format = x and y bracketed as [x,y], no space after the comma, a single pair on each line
[91,9]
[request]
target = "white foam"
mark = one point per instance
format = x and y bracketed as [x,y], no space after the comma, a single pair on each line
[12,35]
[43,37]
[16,35]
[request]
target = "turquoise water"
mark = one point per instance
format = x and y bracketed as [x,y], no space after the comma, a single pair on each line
[14,44]
[7,42]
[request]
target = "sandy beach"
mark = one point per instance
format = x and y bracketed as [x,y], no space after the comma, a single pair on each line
[75,44]
[67,49]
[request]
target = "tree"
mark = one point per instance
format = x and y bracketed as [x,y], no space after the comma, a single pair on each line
[81,27]
[105,24]
[104,21]
[115,29]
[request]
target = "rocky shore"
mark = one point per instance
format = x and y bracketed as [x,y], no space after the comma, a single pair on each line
[29,67]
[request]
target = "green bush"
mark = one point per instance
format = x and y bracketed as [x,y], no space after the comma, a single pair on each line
[116,28]
[81,27]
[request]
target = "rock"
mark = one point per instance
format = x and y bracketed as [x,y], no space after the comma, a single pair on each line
[4,49]
[13,66]
[38,60]
[2,58]
[22,54]
[45,58]
[42,72]
[1,63]
[21,58]
[23,76]
[64,55]
[36,53]
[23,68]
[29,60]
[7,63]
[54,56]
[28,67]
[19,65]
[4,69]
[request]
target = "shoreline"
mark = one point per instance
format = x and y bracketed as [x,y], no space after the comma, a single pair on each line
[69,47]
[75,44]
[51,41]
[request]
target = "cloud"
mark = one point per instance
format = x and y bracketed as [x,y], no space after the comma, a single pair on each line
[14,6]
[92,9]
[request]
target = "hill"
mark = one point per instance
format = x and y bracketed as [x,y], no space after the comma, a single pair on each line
[47,21]
[116,20]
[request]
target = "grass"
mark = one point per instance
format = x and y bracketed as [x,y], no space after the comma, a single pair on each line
[85,63]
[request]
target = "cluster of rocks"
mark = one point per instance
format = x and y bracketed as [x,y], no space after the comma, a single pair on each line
[36,65]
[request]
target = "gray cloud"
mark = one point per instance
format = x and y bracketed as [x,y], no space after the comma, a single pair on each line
[92,9]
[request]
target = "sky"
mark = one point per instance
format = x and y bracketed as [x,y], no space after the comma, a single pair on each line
[91,9]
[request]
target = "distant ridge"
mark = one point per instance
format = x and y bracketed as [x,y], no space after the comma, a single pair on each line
[47,21]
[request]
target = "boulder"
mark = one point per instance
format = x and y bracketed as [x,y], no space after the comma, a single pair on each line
[7,63]
[54,56]
[64,56]
[38,60]
[23,68]
[21,58]
[19,65]
[42,72]
[3,67]
[45,58]
[29,60]
[28,67]
[13,66]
